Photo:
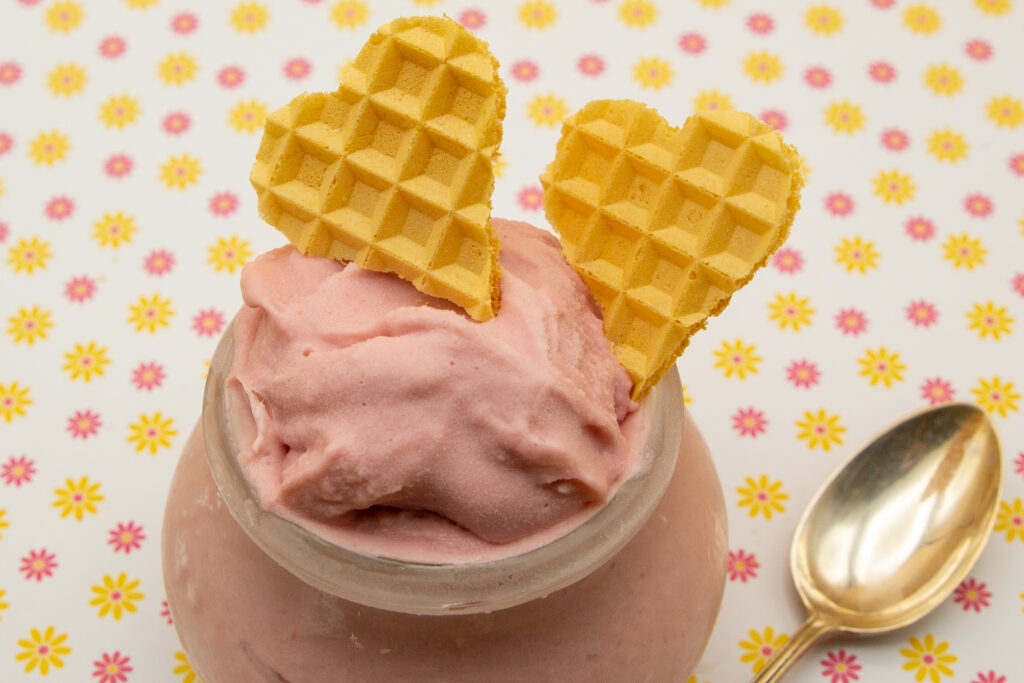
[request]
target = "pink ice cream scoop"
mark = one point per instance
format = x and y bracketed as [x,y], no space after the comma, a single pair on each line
[390,422]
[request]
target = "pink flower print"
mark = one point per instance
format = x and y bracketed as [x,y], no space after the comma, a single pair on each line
[83,423]
[1016,284]
[1018,464]
[978,49]
[840,667]
[6,142]
[749,422]
[184,23]
[472,19]
[883,4]
[590,65]
[118,166]
[936,390]
[208,322]
[112,668]
[59,208]
[80,288]
[223,204]
[126,537]
[230,76]
[818,77]
[29,3]
[692,43]
[895,140]
[158,262]
[531,197]
[787,260]
[17,471]
[990,677]
[851,321]
[882,72]
[148,376]
[774,118]
[922,313]
[10,72]
[38,565]
[176,123]
[1016,164]
[919,228]
[297,69]
[977,205]
[4,232]
[760,23]
[742,566]
[525,71]
[803,373]
[112,47]
[165,611]
[972,595]
[839,204]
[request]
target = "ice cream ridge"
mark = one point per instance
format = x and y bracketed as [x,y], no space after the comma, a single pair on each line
[417,380]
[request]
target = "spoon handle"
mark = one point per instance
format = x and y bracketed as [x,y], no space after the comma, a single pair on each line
[810,632]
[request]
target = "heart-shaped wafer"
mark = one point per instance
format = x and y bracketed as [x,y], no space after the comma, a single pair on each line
[664,224]
[394,170]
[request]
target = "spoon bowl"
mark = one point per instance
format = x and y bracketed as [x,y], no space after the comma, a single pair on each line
[896,529]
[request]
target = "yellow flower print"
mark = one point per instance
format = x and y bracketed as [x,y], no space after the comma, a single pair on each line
[820,430]
[249,17]
[996,396]
[13,401]
[66,80]
[947,145]
[184,669]
[248,116]
[857,255]
[77,498]
[177,68]
[118,111]
[3,522]
[537,14]
[151,433]
[140,4]
[64,16]
[790,311]
[893,187]
[928,659]
[30,325]
[823,19]
[988,320]
[759,649]
[943,79]
[86,361]
[881,366]
[712,100]
[150,314]
[712,4]
[1005,111]
[638,13]
[921,19]
[48,148]
[762,497]
[737,359]
[762,67]
[653,73]
[228,254]
[844,117]
[29,254]
[687,396]
[115,597]
[500,165]
[547,110]
[180,172]
[45,650]
[3,605]
[349,13]
[1010,520]
[994,7]
[113,230]
[964,251]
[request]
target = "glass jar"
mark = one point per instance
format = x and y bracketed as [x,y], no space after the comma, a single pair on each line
[630,594]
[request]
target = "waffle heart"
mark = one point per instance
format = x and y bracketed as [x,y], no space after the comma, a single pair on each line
[394,170]
[664,224]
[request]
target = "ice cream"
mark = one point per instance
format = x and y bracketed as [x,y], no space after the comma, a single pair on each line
[391,423]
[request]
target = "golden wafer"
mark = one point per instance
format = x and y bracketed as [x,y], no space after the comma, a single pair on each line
[664,224]
[395,169]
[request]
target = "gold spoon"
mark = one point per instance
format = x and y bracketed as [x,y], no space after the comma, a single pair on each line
[893,532]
